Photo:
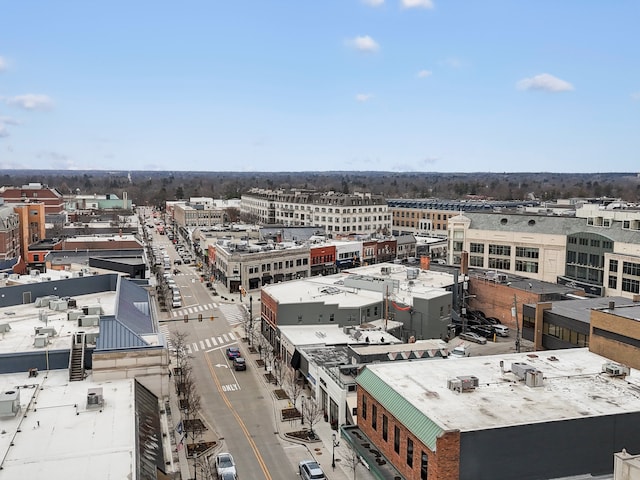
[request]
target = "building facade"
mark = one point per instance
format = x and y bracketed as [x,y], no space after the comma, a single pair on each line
[34,192]
[338,214]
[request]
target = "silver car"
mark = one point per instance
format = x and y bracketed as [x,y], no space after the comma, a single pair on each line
[310,470]
[225,465]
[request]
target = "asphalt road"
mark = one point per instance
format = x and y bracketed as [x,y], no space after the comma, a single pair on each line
[233,403]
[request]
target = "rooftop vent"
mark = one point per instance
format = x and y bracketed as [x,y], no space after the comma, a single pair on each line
[9,403]
[41,340]
[49,331]
[533,378]
[4,327]
[94,397]
[385,270]
[615,369]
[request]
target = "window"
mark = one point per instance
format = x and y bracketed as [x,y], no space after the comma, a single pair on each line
[630,285]
[364,407]
[385,427]
[522,266]
[374,416]
[475,261]
[613,265]
[410,453]
[396,439]
[504,250]
[527,252]
[630,268]
[424,466]
[613,281]
[476,248]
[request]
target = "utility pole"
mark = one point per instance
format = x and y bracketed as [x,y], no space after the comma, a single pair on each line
[250,318]
[514,314]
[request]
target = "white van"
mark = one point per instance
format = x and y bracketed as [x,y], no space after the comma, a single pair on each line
[501,330]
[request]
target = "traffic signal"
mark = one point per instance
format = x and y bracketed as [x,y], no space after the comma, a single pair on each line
[199,317]
[186,318]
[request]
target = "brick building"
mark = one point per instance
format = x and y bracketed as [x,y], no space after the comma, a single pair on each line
[526,416]
[35,192]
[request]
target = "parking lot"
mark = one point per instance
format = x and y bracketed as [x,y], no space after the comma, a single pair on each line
[501,345]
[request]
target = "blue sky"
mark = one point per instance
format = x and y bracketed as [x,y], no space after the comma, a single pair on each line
[284,85]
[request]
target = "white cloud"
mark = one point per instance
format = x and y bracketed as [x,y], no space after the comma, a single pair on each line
[364,44]
[424,73]
[9,121]
[453,62]
[31,101]
[363,97]
[416,4]
[635,96]
[3,131]
[3,64]
[373,3]
[544,82]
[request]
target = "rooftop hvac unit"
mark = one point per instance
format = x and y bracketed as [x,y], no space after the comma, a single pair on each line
[44,301]
[43,316]
[41,340]
[615,369]
[519,369]
[385,270]
[412,273]
[49,331]
[94,397]
[9,403]
[469,382]
[71,303]
[91,338]
[94,310]
[454,384]
[533,378]
[73,315]
[88,320]
[4,327]
[347,329]
[58,305]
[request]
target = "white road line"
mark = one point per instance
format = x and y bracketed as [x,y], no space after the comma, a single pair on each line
[221,340]
[188,348]
[207,343]
[214,341]
[195,347]
[201,344]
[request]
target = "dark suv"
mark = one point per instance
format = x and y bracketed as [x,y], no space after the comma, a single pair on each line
[239,363]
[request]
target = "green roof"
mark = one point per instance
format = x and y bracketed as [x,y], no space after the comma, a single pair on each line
[425,429]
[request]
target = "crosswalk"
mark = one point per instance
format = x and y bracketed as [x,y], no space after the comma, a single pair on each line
[201,345]
[234,313]
[195,309]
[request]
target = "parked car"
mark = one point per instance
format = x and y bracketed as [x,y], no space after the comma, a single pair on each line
[486,331]
[310,470]
[176,302]
[225,464]
[473,337]
[228,476]
[492,321]
[233,352]
[459,352]
[239,363]
[501,330]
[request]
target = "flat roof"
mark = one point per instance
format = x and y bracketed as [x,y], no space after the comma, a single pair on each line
[581,309]
[573,387]
[61,437]
[24,319]
[300,335]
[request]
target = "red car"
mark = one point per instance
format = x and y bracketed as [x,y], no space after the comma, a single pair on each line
[233,352]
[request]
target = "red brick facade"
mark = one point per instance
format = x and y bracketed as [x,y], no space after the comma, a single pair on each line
[442,464]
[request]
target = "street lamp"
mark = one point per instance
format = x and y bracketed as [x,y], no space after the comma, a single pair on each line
[335,443]
[302,409]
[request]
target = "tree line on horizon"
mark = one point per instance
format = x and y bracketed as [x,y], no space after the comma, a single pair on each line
[155,187]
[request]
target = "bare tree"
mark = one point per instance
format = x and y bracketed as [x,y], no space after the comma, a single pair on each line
[279,370]
[312,413]
[352,458]
[292,387]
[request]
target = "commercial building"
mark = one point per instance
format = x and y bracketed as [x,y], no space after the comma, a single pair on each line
[527,416]
[201,212]
[338,214]
[34,192]
[598,254]
[10,248]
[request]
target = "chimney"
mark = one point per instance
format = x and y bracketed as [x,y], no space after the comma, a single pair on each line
[612,305]
[464,263]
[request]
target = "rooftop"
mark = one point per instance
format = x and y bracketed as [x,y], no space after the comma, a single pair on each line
[64,437]
[573,387]
[581,309]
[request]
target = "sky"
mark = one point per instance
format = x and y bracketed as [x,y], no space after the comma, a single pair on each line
[331,85]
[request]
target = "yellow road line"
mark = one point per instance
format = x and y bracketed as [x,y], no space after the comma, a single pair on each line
[243,427]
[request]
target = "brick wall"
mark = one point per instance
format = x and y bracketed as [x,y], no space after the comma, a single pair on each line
[443,464]
[496,299]
[617,351]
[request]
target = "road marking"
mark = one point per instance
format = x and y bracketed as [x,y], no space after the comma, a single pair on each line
[206,341]
[202,345]
[230,388]
[188,348]
[214,341]
[243,427]
[221,340]
[195,347]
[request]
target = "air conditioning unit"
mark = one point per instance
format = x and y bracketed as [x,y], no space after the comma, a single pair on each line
[533,378]
[615,369]
[4,327]
[454,384]
[9,403]
[49,331]
[469,382]
[385,270]
[41,340]
[94,397]
[520,369]
[88,320]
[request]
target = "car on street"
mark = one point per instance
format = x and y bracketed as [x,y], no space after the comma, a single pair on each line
[473,337]
[225,464]
[501,330]
[233,352]
[460,351]
[239,363]
[486,331]
[310,470]
[228,476]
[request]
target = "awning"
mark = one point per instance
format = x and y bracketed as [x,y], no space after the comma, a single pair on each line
[296,360]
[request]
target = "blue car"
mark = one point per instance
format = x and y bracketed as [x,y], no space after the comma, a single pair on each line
[233,352]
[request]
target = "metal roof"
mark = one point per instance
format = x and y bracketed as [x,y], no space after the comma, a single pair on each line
[116,336]
[413,419]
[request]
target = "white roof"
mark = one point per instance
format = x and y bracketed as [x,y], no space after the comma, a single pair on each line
[573,387]
[23,320]
[62,438]
[301,335]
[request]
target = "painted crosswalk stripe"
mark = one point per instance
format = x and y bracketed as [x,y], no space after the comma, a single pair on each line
[214,341]
[195,347]
[202,345]
[221,340]
[207,343]
[188,348]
